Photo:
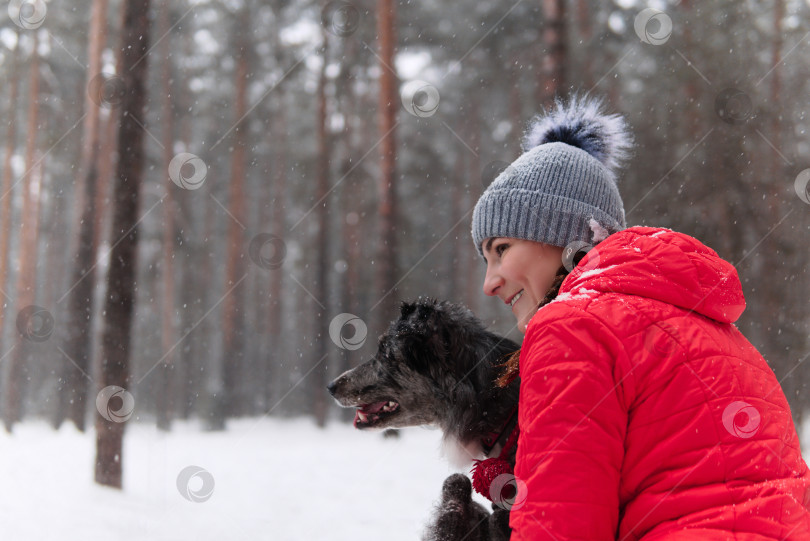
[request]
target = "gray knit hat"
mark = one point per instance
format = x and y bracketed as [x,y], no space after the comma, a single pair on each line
[563,188]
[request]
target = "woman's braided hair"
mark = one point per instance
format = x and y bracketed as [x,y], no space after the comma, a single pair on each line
[512,366]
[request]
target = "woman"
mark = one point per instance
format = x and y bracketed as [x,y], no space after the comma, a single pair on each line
[644,413]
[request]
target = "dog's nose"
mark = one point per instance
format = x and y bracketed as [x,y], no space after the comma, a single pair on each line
[331,387]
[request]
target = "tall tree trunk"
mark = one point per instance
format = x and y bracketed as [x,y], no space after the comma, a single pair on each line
[585,14]
[193,266]
[211,384]
[78,344]
[515,109]
[27,252]
[317,380]
[276,300]
[387,106]
[349,210]
[5,195]
[166,393]
[472,286]
[233,308]
[457,200]
[278,137]
[119,303]
[107,162]
[777,164]
[775,305]
[553,74]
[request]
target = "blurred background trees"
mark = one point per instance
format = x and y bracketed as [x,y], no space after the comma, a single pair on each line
[306,160]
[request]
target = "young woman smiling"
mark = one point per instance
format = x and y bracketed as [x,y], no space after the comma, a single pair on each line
[520,272]
[644,413]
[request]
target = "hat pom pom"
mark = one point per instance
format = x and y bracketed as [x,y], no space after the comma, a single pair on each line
[582,123]
[485,471]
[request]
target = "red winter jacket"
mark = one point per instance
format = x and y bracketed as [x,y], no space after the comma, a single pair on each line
[645,414]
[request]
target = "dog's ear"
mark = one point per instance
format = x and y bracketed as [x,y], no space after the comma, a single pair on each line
[406,309]
[429,325]
[416,318]
[427,319]
[420,337]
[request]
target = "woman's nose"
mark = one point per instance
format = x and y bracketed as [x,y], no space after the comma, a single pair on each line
[492,281]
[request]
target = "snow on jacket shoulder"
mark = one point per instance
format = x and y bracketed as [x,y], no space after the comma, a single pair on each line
[645,413]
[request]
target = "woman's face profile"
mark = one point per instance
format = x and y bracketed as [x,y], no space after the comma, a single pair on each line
[520,272]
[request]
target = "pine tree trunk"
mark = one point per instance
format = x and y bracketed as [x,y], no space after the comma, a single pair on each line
[166,392]
[775,304]
[388,102]
[472,286]
[192,270]
[278,138]
[6,194]
[515,110]
[276,301]
[120,299]
[78,344]
[454,289]
[233,307]
[26,276]
[553,75]
[211,384]
[107,162]
[317,379]
[349,212]
[585,28]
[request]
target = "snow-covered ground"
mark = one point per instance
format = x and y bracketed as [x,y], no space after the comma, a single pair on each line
[272,480]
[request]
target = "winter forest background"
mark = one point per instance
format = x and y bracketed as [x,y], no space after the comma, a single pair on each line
[209,209]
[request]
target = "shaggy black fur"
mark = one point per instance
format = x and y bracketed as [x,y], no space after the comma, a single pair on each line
[436,365]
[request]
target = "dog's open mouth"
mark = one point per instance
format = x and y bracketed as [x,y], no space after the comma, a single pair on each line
[368,415]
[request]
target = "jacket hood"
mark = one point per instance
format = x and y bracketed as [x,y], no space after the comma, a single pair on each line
[664,265]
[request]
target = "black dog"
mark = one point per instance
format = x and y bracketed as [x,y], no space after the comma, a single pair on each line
[437,365]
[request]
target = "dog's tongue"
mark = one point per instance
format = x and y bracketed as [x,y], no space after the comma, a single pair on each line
[373,408]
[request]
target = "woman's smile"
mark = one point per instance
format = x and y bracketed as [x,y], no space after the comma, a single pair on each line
[520,272]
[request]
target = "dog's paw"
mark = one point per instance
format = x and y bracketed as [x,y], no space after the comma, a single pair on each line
[457,516]
[457,488]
